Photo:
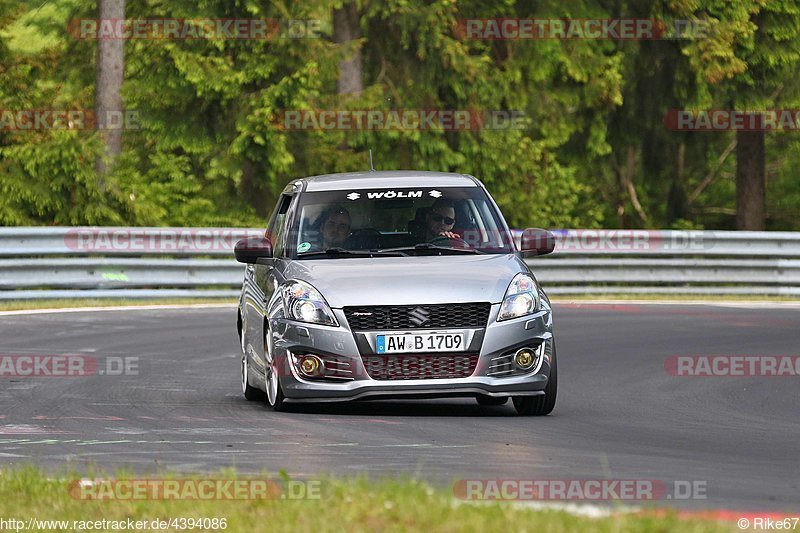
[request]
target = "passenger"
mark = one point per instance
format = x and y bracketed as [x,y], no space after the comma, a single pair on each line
[334,227]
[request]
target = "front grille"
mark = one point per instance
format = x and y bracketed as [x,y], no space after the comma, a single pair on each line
[336,367]
[501,365]
[422,366]
[382,317]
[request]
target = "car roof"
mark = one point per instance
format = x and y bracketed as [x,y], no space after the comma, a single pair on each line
[386,178]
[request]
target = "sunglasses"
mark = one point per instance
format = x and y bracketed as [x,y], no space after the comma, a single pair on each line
[436,217]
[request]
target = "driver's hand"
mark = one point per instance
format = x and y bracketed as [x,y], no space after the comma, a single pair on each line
[449,234]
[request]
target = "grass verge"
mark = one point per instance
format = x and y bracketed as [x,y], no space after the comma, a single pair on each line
[21,305]
[343,505]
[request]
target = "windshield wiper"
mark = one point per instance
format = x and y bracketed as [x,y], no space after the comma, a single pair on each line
[426,247]
[341,252]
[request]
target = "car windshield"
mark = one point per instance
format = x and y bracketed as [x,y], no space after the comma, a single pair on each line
[397,222]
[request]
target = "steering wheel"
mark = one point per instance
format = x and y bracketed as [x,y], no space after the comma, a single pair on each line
[364,238]
[364,232]
[453,242]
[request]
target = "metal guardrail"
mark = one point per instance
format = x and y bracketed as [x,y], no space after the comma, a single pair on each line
[45,262]
[83,241]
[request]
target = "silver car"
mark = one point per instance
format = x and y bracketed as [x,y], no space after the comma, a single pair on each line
[398,284]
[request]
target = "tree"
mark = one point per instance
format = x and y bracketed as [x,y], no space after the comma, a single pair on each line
[108,96]
[750,62]
[750,181]
[346,31]
[590,151]
[773,61]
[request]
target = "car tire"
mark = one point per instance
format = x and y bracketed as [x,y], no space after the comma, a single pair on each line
[272,380]
[275,397]
[541,405]
[251,393]
[487,401]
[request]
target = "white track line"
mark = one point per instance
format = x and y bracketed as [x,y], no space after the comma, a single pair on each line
[118,308]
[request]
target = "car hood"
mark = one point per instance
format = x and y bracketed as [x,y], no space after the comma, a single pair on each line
[409,280]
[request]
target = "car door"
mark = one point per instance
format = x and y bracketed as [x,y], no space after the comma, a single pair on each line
[262,280]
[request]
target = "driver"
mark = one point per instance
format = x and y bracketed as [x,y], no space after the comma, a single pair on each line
[440,220]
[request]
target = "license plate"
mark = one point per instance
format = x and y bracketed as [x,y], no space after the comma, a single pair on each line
[418,343]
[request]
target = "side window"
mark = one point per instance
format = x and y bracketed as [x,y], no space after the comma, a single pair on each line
[275,230]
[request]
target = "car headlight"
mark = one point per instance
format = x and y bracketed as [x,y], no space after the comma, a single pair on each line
[522,298]
[304,303]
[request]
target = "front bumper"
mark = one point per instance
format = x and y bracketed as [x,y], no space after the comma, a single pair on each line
[498,338]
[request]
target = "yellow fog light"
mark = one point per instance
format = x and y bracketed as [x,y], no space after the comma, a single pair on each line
[309,365]
[524,358]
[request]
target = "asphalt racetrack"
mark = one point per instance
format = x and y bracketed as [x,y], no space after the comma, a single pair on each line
[620,413]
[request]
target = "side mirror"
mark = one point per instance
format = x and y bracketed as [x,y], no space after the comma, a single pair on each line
[537,241]
[251,249]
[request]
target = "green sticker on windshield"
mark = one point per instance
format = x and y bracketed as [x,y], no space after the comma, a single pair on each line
[303,247]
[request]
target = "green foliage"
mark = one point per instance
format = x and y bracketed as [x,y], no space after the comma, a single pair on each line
[207,150]
[356,503]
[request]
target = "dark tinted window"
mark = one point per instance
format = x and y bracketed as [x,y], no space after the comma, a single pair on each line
[380,219]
